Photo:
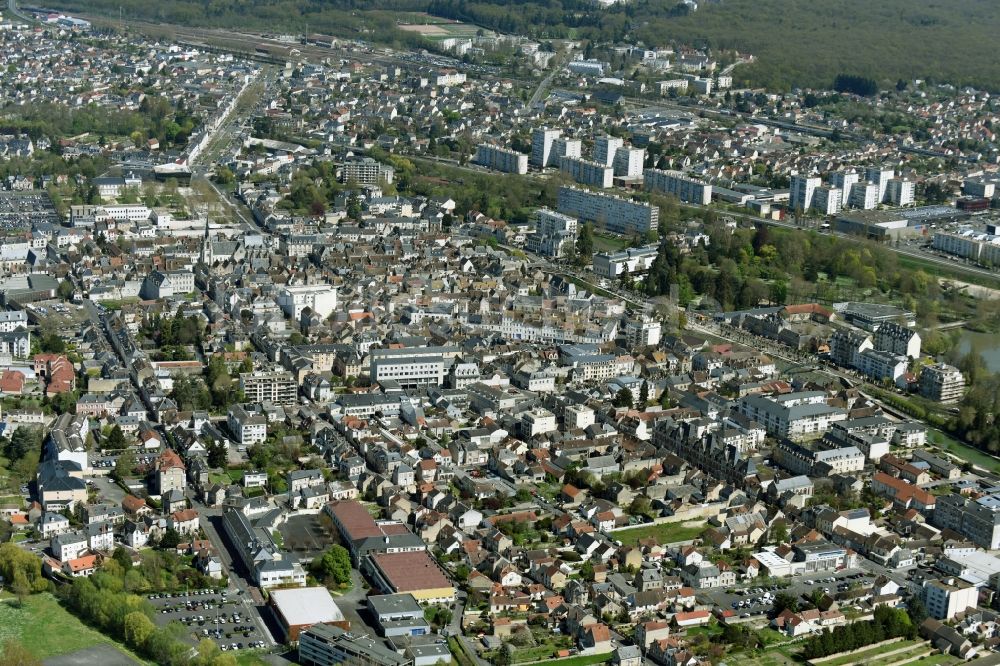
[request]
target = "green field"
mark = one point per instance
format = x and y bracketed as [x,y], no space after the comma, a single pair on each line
[47,629]
[583,660]
[867,655]
[963,451]
[250,659]
[779,655]
[901,656]
[663,533]
[609,243]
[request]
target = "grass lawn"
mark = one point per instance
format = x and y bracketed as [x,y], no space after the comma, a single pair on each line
[900,656]
[608,243]
[963,451]
[936,660]
[250,659]
[663,533]
[711,629]
[582,660]
[47,629]
[866,655]
[769,657]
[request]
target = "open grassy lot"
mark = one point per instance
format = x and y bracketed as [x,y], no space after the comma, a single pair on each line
[47,629]
[663,533]
[583,660]
[963,451]
[868,655]
[609,243]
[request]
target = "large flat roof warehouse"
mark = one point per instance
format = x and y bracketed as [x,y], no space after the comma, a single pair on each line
[410,571]
[306,606]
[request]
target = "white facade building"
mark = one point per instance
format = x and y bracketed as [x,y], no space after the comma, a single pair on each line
[321,298]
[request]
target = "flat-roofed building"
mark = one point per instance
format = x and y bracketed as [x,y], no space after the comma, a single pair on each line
[679,185]
[975,519]
[414,572]
[297,609]
[610,212]
[278,387]
[326,645]
[398,615]
[941,382]
[501,159]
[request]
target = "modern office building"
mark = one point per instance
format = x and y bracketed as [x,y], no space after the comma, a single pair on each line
[587,172]
[631,261]
[411,367]
[793,415]
[608,211]
[677,184]
[501,159]
[398,615]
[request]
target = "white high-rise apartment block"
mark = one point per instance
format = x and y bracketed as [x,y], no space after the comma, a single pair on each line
[611,212]
[605,148]
[501,159]
[802,190]
[864,196]
[565,147]
[827,200]
[676,183]
[900,192]
[845,180]
[880,176]
[628,162]
[587,172]
[542,140]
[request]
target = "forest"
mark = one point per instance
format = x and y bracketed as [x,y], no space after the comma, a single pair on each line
[796,43]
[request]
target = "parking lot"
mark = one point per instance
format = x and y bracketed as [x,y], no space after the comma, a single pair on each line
[207,614]
[759,601]
[19,210]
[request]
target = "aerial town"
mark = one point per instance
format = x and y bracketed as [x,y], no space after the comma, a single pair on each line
[506,352]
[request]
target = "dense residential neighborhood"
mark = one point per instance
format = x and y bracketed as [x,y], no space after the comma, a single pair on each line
[375,356]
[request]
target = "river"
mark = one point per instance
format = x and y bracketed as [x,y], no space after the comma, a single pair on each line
[987,344]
